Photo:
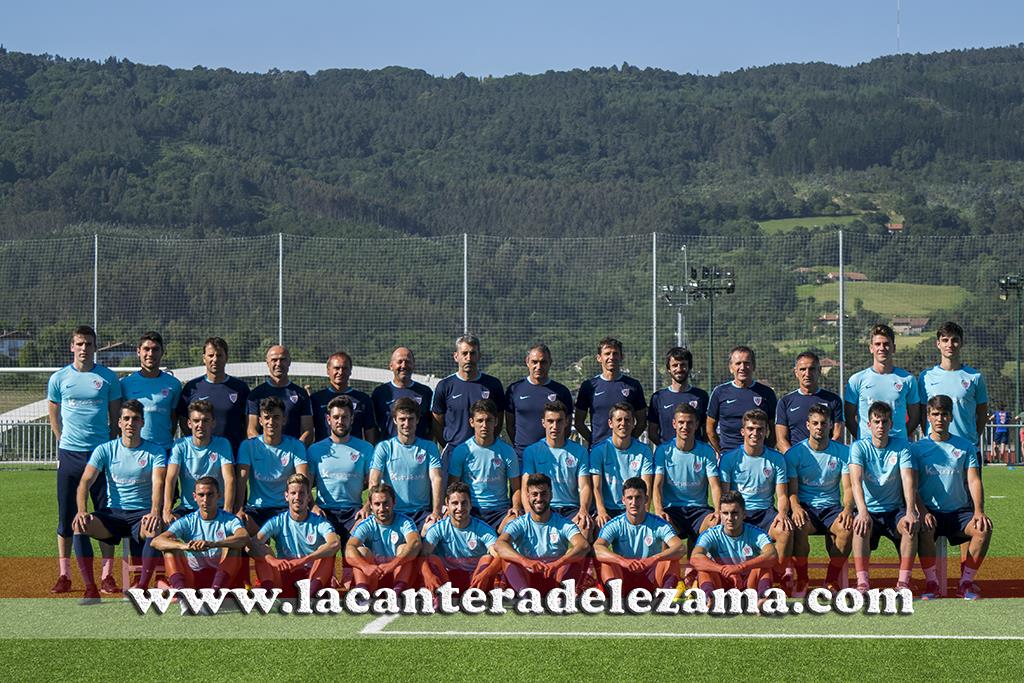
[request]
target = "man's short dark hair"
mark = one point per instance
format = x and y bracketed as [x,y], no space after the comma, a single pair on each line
[808,354]
[83,331]
[950,329]
[405,405]
[201,406]
[612,342]
[270,404]
[382,488]
[679,353]
[153,337]
[732,498]
[538,479]
[208,481]
[484,405]
[457,487]
[883,330]
[634,483]
[941,402]
[755,415]
[621,405]
[819,409]
[743,349]
[684,409]
[539,346]
[881,409]
[340,402]
[217,343]
[556,407]
[134,406]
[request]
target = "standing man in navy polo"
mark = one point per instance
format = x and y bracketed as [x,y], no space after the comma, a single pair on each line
[730,401]
[525,400]
[85,403]
[457,392]
[364,424]
[402,385]
[791,413]
[598,394]
[298,409]
[661,412]
[228,395]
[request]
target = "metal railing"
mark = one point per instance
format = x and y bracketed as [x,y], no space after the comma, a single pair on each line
[1010,452]
[27,442]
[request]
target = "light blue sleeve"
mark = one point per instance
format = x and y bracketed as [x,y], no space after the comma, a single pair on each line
[646,460]
[972,457]
[433,456]
[224,449]
[407,526]
[726,467]
[159,457]
[53,388]
[907,460]
[597,459]
[232,525]
[98,458]
[511,462]
[582,461]
[762,539]
[665,532]
[433,534]
[912,391]
[569,530]
[856,457]
[711,463]
[323,527]
[114,392]
[922,391]
[792,462]
[781,472]
[245,454]
[528,466]
[706,540]
[659,458]
[363,529]
[379,456]
[514,529]
[300,453]
[457,461]
[852,393]
[610,531]
[844,458]
[178,527]
[271,528]
[176,450]
[488,536]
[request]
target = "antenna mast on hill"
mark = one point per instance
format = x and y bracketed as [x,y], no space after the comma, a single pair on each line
[898,3]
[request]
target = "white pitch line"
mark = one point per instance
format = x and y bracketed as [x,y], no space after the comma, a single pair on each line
[378,624]
[997,496]
[631,634]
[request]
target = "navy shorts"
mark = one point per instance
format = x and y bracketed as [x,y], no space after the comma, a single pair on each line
[884,524]
[342,520]
[568,511]
[952,524]
[261,516]
[687,519]
[1002,437]
[418,517]
[70,466]
[490,517]
[121,523]
[823,518]
[762,519]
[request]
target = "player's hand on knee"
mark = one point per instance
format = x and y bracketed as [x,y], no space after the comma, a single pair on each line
[862,524]
[80,524]
[981,522]
[799,518]
[929,521]
[783,522]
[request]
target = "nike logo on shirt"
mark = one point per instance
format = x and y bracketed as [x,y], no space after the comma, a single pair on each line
[455,396]
[731,400]
[795,409]
[598,393]
[523,398]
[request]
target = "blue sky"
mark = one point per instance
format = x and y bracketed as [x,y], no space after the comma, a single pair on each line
[491,38]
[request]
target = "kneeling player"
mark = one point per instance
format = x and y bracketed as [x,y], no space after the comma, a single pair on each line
[306,543]
[383,547]
[456,549]
[203,549]
[944,463]
[818,468]
[640,549]
[541,549]
[734,554]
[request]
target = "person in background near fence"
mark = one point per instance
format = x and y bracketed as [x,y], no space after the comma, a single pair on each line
[1001,435]
[525,400]
[882,381]
[616,459]
[600,393]
[883,483]
[948,508]
[820,497]
[791,413]
[661,412]
[134,469]
[157,390]
[402,364]
[203,549]
[265,463]
[962,383]
[228,395]
[193,457]
[456,393]
[298,409]
[729,402]
[84,405]
[364,424]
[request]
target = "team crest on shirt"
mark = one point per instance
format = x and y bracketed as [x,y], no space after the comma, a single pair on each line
[957,452]
[486,393]
[471,543]
[625,392]
[553,535]
[748,551]
[310,537]
[284,460]
[497,461]
[767,471]
[294,398]
[649,540]
[143,459]
[232,397]
[693,403]
[98,384]
[897,385]
[552,397]
[420,457]
[832,464]
[570,461]
[219,535]
[697,465]
[634,465]
[757,400]
[213,457]
[354,456]
[891,460]
[965,383]
[418,399]
[165,392]
[394,537]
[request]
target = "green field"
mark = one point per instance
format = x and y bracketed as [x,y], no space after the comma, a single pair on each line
[780,225]
[97,642]
[889,298]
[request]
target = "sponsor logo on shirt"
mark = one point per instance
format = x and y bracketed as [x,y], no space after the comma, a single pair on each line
[648,540]
[757,400]
[233,397]
[598,393]
[455,396]
[523,398]
[471,543]
[793,410]
[731,400]
[553,536]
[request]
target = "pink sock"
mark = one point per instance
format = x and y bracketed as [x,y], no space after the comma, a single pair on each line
[862,578]
[929,574]
[108,567]
[904,577]
[65,566]
[968,574]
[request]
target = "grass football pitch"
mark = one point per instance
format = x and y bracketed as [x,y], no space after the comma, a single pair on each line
[45,638]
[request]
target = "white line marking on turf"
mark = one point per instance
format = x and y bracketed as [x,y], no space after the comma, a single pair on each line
[628,634]
[997,496]
[378,624]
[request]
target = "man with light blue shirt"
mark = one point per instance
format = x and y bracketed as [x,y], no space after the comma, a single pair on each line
[411,466]
[340,465]
[729,402]
[402,385]
[540,549]
[306,543]
[265,463]
[84,404]
[758,473]
[457,549]
[383,548]
[456,393]
[684,471]
[490,467]
[615,460]
[882,381]
[884,490]
[818,471]
[134,470]
[566,464]
[661,412]
[639,549]
[200,455]
[157,390]
[734,554]
[525,400]
[964,385]
[599,394]
[951,497]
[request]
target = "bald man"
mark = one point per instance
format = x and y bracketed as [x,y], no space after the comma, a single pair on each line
[298,409]
[402,364]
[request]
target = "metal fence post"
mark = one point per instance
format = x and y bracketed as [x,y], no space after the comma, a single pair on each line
[842,316]
[96,282]
[654,311]
[280,288]
[465,283]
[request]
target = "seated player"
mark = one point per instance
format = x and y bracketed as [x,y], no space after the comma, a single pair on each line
[884,489]
[541,549]
[305,543]
[134,469]
[949,508]
[490,467]
[566,463]
[638,548]
[615,460]
[457,549]
[411,466]
[758,473]
[265,463]
[818,468]
[203,549]
[734,554]
[193,457]
[341,467]
[383,547]
[684,470]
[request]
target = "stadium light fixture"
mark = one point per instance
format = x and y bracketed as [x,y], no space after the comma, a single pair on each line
[1015,284]
[710,282]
